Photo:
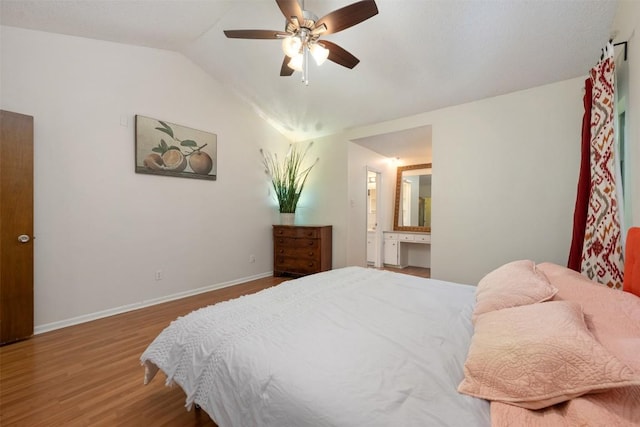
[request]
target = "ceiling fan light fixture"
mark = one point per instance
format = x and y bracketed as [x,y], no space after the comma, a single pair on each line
[296,62]
[291,46]
[317,31]
[319,53]
[303,29]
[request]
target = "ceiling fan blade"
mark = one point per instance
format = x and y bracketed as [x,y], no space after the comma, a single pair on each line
[348,16]
[254,34]
[285,70]
[339,55]
[290,9]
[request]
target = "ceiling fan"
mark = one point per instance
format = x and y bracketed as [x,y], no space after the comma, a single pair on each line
[302,33]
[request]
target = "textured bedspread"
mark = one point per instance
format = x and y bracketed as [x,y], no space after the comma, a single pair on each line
[614,319]
[348,347]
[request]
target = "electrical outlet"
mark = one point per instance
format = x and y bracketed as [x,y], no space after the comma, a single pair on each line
[252,258]
[159,275]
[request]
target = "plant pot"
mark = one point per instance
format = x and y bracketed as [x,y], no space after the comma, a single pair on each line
[287,218]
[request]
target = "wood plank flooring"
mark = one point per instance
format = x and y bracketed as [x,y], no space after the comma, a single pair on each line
[90,374]
[414,271]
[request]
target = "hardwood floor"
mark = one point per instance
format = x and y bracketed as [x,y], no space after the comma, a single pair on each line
[90,374]
[414,271]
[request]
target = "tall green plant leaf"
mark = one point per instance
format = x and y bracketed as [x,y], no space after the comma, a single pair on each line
[288,177]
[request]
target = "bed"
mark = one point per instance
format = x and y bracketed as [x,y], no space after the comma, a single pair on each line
[364,347]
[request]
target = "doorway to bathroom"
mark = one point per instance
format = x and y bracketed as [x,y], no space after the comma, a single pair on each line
[374,232]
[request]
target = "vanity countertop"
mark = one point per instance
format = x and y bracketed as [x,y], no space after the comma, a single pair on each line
[408,232]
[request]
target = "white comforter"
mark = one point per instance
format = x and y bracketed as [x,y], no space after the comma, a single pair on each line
[347,347]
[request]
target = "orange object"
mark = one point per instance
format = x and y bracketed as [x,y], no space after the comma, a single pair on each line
[631,281]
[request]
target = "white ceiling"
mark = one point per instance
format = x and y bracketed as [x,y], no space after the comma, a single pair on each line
[409,146]
[416,55]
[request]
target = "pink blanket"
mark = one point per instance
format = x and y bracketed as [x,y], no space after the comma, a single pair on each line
[614,319]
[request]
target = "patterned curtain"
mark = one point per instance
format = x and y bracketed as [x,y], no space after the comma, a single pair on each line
[602,247]
[584,183]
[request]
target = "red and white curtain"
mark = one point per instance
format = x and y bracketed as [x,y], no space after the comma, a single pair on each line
[596,248]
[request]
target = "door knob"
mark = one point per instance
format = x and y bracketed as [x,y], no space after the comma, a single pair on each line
[23,238]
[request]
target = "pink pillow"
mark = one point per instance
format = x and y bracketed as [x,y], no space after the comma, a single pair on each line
[538,355]
[631,282]
[511,285]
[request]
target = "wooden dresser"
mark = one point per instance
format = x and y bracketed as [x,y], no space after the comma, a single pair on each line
[300,250]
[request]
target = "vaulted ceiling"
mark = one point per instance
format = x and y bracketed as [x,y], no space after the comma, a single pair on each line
[415,55]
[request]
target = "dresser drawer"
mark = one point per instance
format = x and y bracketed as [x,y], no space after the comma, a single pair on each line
[423,238]
[406,237]
[312,233]
[290,242]
[296,265]
[307,252]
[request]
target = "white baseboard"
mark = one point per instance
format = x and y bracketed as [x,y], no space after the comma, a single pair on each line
[47,327]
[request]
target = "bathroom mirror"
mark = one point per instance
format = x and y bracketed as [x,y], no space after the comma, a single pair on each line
[413,198]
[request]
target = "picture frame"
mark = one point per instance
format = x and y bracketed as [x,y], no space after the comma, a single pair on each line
[164,148]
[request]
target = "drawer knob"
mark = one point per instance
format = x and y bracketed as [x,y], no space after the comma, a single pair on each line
[310,242]
[281,251]
[311,254]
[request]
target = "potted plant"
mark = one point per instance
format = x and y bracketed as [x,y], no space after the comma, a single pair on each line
[288,178]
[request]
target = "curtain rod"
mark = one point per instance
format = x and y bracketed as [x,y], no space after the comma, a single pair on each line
[625,48]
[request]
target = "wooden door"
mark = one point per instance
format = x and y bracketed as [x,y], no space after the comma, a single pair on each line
[16,226]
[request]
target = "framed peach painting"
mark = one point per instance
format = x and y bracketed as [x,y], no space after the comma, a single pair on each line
[164,148]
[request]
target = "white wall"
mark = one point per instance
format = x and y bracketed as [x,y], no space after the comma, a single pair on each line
[505,175]
[627,26]
[102,230]
[323,200]
[505,171]
[359,159]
